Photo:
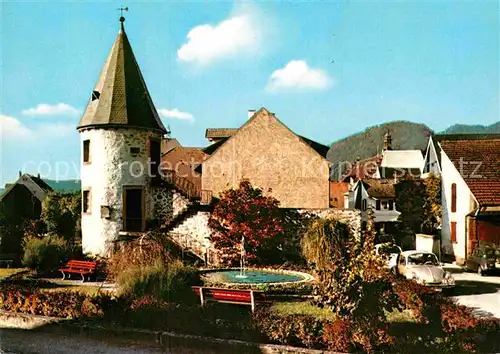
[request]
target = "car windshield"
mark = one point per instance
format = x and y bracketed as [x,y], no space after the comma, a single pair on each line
[389,249]
[423,258]
[489,252]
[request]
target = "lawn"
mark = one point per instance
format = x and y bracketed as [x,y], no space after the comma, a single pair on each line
[302,308]
[7,272]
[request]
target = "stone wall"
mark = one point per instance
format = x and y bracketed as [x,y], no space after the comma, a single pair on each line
[113,166]
[163,205]
[273,158]
[179,203]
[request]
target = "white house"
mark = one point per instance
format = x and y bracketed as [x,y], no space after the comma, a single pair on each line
[470,173]
[377,195]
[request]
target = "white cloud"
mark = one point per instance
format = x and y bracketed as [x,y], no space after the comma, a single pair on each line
[12,128]
[207,43]
[176,114]
[44,109]
[298,76]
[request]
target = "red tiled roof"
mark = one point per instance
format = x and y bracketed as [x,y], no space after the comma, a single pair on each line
[366,168]
[380,188]
[477,159]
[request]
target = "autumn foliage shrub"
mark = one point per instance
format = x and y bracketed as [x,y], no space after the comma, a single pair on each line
[15,298]
[145,251]
[268,231]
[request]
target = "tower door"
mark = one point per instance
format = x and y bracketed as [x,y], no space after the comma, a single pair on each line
[133,216]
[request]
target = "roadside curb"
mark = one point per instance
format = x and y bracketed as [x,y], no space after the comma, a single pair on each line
[165,341]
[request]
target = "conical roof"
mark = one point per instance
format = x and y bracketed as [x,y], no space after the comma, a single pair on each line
[120,98]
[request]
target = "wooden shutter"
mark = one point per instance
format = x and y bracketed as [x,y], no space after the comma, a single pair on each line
[453,197]
[453,228]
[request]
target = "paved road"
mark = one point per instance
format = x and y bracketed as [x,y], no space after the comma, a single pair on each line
[30,342]
[482,293]
[18,341]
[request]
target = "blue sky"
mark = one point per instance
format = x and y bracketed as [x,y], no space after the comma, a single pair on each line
[207,63]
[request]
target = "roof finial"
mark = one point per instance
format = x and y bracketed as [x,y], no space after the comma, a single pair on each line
[122,19]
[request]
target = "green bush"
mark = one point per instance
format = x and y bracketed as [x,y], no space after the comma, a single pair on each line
[45,254]
[165,281]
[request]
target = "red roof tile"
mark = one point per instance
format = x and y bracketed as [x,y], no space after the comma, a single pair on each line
[477,158]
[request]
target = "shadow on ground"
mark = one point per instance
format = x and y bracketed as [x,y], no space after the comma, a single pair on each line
[474,287]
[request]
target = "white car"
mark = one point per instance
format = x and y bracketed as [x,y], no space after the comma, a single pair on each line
[390,252]
[424,268]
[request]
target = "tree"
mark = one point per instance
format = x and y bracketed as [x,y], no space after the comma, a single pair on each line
[432,204]
[410,198]
[245,213]
[61,215]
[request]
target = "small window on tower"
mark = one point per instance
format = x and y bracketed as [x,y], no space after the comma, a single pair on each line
[86,151]
[95,95]
[134,151]
[86,201]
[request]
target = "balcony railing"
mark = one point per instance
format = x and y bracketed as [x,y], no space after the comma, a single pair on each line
[183,184]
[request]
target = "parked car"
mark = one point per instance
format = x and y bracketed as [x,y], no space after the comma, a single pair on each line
[424,268]
[482,260]
[391,252]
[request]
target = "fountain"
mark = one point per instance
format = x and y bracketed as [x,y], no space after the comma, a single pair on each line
[242,259]
[242,275]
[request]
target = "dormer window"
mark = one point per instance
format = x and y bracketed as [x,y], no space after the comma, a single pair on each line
[95,95]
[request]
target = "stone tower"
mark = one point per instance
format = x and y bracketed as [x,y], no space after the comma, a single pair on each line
[120,134]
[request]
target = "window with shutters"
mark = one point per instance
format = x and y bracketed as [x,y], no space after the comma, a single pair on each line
[453,197]
[377,204]
[453,228]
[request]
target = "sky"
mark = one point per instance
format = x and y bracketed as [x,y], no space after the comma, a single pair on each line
[327,69]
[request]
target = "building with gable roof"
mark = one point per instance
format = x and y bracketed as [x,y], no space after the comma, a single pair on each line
[470,175]
[264,151]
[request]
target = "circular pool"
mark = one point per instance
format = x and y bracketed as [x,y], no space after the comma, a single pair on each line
[255,276]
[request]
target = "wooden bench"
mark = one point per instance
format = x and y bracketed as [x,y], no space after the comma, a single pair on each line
[84,268]
[230,296]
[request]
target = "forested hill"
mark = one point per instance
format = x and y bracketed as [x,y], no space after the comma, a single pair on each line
[405,136]
[473,129]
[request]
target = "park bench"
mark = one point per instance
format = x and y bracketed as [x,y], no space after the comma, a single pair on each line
[84,268]
[230,296]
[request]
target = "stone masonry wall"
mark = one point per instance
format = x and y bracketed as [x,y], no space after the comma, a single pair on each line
[273,158]
[113,166]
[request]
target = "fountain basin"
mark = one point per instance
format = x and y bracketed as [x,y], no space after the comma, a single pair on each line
[255,277]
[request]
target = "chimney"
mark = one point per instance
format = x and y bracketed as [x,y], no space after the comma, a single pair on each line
[251,112]
[38,175]
[20,173]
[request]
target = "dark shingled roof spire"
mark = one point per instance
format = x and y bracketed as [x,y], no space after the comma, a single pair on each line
[120,97]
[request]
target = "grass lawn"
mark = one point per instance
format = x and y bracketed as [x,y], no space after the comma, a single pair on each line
[305,308]
[399,317]
[86,289]
[7,272]
[302,308]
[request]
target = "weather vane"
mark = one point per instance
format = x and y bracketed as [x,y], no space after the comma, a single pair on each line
[121,9]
